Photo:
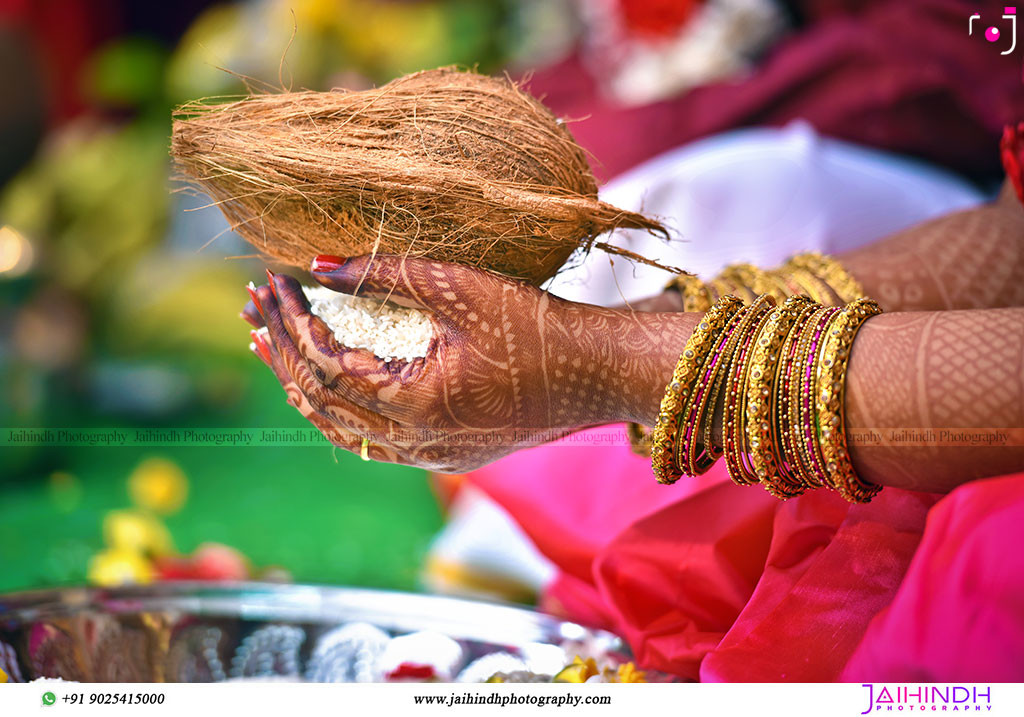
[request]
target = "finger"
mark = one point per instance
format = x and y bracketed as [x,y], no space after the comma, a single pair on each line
[356,374]
[259,345]
[328,359]
[407,281]
[344,425]
[251,315]
[346,430]
[294,366]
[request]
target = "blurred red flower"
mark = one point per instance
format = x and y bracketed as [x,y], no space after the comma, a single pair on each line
[656,19]
[210,561]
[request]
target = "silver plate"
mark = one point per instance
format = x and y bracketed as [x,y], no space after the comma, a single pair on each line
[200,632]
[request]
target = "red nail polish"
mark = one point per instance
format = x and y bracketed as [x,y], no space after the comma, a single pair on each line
[256,352]
[326,263]
[255,299]
[261,345]
[273,284]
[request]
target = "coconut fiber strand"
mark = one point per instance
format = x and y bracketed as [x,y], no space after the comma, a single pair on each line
[446,164]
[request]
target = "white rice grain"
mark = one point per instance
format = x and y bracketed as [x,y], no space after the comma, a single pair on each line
[391,332]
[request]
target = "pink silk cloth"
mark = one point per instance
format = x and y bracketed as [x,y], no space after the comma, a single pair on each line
[712,581]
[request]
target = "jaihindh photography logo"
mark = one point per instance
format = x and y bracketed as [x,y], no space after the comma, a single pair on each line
[927,698]
[995,33]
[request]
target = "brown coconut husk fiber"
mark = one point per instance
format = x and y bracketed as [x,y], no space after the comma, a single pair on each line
[446,164]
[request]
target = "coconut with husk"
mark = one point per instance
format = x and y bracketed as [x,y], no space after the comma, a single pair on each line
[450,165]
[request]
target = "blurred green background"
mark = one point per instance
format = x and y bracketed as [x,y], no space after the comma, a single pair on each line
[119,307]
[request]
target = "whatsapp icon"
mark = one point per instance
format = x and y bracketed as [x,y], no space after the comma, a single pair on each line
[49,698]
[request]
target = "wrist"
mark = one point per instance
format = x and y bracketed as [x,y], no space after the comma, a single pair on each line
[648,349]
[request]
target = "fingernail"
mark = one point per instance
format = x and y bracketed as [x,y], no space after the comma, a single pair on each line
[273,284]
[326,263]
[255,299]
[257,354]
[261,345]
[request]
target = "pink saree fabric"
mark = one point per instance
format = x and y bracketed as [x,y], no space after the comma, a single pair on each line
[712,581]
[959,614]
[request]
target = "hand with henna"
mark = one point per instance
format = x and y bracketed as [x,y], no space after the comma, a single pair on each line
[509,364]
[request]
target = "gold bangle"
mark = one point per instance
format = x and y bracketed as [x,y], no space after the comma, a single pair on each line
[788,482]
[801,391]
[680,387]
[829,401]
[693,291]
[770,282]
[742,277]
[696,299]
[734,411]
[760,387]
[364,449]
[695,452]
[829,270]
[736,342]
[813,286]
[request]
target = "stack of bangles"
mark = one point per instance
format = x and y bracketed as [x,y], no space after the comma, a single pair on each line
[818,276]
[781,371]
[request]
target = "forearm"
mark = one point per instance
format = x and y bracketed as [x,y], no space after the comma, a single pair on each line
[972,259]
[919,389]
[916,377]
[647,350]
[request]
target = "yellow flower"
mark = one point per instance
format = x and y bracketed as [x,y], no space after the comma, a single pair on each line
[579,670]
[136,532]
[118,566]
[159,485]
[629,673]
[3,676]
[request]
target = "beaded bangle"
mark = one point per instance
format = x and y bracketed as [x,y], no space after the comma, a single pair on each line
[719,287]
[831,272]
[684,380]
[785,281]
[800,397]
[814,287]
[743,278]
[732,358]
[775,285]
[764,362]
[693,291]
[694,453]
[793,397]
[734,412]
[788,482]
[831,384]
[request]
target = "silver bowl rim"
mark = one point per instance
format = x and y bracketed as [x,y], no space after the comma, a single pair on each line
[461,618]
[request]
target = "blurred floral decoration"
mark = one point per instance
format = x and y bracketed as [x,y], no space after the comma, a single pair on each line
[139,549]
[356,43]
[642,51]
[123,303]
[580,670]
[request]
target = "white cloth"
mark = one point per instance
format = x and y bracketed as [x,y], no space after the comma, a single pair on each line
[759,196]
